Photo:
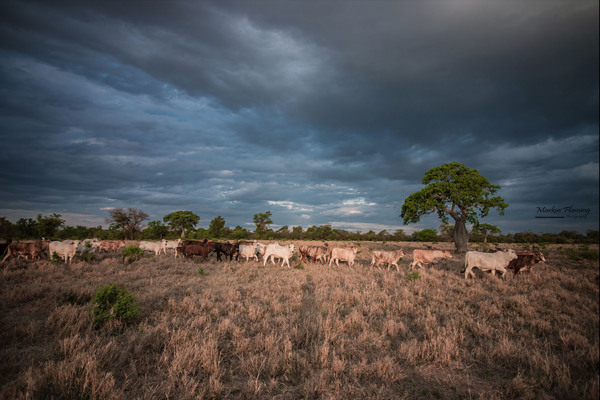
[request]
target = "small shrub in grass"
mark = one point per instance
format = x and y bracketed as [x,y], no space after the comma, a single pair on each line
[200,271]
[298,266]
[114,302]
[411,276]
[132,253]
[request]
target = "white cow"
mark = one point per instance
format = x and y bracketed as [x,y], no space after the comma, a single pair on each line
[252,250]
[171,245]
[343,254]
[156,247]
[65,250]
[276,250]
[488,261]
[387,257]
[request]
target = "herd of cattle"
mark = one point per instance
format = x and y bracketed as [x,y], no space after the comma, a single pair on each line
[495,260]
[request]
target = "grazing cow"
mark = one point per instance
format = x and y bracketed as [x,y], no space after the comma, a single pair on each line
[318,253]
[424,257]
[30,248]
[111,245]
[488,261]
[276,250]
[156,247]
[525,261]
[343,254]
[172,245]
[65,250]
[387,257]
[198,249]
[229,249]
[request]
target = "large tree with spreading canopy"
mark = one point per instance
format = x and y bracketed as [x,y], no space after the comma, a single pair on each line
[454,190]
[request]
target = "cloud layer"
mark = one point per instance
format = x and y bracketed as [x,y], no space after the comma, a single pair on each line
[322,112]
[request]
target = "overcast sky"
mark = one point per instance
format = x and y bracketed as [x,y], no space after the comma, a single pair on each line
[323,112]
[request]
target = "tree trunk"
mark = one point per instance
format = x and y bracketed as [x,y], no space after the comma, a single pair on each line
[461,236]
[182,233]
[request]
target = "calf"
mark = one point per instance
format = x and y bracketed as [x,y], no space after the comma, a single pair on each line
[343,254]
[283,252]
[525,261]
[488,262]
[424,257]
[387,257]
[318,253]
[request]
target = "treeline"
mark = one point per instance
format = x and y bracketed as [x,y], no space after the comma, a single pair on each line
[127,224]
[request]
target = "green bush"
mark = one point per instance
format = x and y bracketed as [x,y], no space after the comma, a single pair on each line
[114,302]
[200,271]
[132,253]
[411,276]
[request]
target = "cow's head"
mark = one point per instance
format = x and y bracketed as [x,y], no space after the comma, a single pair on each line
[447,254]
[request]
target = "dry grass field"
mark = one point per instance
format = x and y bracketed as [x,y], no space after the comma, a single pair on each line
[240,330]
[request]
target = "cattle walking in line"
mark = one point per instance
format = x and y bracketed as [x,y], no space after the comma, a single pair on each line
[33,249]
[171,245]
[228,249]
[251,250]
[488,262]
[65,249]
[317,253]
[111,245]
[424,257]
[525,261]
[156,247]
[386,257]
[343,254]
[275,250]
[202,249]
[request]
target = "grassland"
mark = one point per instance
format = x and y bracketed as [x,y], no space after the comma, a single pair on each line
[240,330]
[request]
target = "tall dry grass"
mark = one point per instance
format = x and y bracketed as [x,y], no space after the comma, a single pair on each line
[242,330]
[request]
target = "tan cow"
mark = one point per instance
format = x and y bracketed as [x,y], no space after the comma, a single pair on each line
[172,245]
[318,253]
[111,245]
[488,261]
[28,249]
[156,247]
[275,250]
[387,257]
[343,254]
[424,257]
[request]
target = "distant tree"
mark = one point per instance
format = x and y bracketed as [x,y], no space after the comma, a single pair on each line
[456,191]
[283,232]
[427,235]
[485,230]
[446,232]
[296,233]
[239,233]
[6,229]
[216,229]
[181,221]
[400,236]
[129,221]
[26,228]
[156,230]
[48,226]
[262,220]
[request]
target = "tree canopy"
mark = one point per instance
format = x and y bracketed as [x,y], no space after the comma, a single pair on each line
[181,221]
[454,190]
[129,221]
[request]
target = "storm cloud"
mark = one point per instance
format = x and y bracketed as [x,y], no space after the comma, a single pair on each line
[322,112]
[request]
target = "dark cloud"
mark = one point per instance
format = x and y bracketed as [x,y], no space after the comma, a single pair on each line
[321,113]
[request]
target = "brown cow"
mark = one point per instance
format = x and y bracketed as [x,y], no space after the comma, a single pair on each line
[424,257]
[343,254]
[318,253]
[525,261]
[198,249]
[30,248]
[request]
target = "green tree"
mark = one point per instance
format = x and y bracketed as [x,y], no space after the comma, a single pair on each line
[485,230]
[6,229]
[453,190]
[156,230]
[427,235]
[181,221]
[48,226]
[129,221]
[216,229]
[239,233]
[262,220]
[26,228]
